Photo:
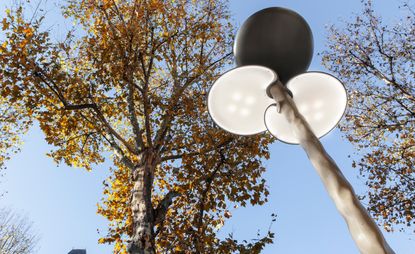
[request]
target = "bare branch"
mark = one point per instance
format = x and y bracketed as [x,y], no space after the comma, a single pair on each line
[163,206]
[93,106]
[209,179]
[204,151]
[168,117]
[112,131]
[16,233]
[133,118]
[78,107]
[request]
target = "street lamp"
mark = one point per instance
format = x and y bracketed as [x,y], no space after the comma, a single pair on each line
[271,90]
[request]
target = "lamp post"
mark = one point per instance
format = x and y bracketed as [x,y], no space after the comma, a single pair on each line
[271,90]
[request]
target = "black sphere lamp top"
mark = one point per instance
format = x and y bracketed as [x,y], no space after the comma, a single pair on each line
[277,38]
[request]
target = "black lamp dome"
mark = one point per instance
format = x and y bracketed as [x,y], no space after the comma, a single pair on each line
[277,38]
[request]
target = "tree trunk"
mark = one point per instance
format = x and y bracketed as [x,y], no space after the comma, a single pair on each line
[142,240]
[363,229]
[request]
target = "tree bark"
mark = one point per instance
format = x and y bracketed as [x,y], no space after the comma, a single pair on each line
[142,240]
[363,229]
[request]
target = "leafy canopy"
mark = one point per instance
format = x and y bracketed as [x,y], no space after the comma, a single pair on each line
[132,76]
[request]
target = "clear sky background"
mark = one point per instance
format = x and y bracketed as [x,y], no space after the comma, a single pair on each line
[61,201]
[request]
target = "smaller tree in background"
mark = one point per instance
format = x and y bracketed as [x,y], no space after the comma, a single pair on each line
[376,62]
[16,233]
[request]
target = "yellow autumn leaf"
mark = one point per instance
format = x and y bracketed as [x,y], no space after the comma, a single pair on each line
[5,24]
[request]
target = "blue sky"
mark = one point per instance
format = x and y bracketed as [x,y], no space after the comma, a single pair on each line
[62,201]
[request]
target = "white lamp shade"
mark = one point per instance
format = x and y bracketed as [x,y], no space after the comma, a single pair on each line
[238,99]
[319,97]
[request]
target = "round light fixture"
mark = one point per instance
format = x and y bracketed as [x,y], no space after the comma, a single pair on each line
[238,99]
[319,97]
[270,42]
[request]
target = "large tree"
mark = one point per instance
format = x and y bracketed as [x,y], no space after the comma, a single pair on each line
[129,83]
[376,62]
